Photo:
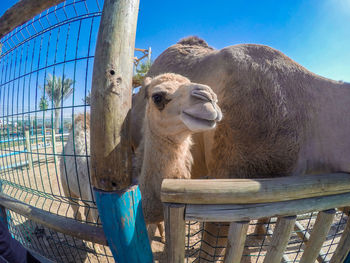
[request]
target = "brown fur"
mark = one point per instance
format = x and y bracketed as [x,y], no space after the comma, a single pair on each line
[279,118]
[272,107]
[164,151]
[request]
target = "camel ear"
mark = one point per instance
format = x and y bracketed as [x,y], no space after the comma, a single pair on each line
[146,82]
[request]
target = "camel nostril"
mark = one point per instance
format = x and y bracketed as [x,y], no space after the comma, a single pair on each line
[202,94]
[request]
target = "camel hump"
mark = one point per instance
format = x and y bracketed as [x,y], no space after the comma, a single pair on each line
[194,41]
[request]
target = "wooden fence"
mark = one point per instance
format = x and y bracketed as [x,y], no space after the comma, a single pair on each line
[239,201]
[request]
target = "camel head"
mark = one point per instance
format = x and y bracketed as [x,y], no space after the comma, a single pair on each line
[176,106]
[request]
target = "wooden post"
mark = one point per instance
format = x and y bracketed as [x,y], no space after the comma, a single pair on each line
[318,236]
[29,154]
[175,232]
[54,145]
[280,238]
[149,55]
[111,96]
[120,211]
[236,238]
[126,234]
[305,236]
[343,249]
[23,11]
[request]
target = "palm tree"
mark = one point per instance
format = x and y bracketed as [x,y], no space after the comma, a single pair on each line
[87,99]
[43,104]
[58,90]
[141,72]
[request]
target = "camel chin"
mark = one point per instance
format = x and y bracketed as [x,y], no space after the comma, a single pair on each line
[197,123]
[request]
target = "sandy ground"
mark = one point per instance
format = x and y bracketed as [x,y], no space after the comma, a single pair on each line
[40,187]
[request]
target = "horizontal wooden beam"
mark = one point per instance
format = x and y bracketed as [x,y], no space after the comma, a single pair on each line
[244,191]
[23,11]
[55,222]
[239,212]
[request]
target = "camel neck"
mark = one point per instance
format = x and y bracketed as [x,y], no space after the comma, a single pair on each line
[161,159]
[168,156]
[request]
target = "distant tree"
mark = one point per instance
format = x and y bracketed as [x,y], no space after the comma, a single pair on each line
[43,105]
[87,99]
[58,90]
[141,72]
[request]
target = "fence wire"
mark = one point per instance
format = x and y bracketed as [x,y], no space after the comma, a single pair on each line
[257,244]
[45,81]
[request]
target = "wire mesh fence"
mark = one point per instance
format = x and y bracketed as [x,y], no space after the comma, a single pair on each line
[258,242]
[46,72]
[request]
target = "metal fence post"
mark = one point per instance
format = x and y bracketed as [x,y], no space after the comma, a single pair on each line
[119,205]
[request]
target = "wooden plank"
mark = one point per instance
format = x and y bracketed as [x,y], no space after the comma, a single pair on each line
[236,239]
[23,11]
[175,232]
[285,258]
[111,96]
[29,149]
[229,213]
[343,248]
[318,236]
[238,191]
[280,238]
[305,236]
[55,222]
[125,229]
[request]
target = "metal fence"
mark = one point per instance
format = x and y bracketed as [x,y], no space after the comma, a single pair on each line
[45,82]
[257,244]
[46,71]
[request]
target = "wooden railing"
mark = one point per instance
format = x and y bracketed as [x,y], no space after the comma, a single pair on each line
[240,200]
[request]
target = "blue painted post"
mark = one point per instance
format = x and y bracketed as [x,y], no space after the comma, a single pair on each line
[347,260]
[118,203]
[124,225]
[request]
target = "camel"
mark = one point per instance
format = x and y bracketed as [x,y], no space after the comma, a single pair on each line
[74,171]
[280,118]
[176,109]
[75,176]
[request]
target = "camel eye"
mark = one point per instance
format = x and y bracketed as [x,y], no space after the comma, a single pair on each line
[157,98]
[160,100]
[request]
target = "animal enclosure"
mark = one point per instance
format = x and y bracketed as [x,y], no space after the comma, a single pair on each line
[295,232]
[46,69]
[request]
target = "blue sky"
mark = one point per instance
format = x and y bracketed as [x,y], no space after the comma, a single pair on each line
[314,33]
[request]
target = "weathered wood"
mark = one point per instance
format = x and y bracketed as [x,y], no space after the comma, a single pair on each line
[235,243]
[125,229]
[238,191]
[285,258]
[229,213]
[343,248]
[23,11]
[111,95]
[55,222]
[280,237]
[175,232]
[29,149]
[318,236]
[305,236]
[54,149]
